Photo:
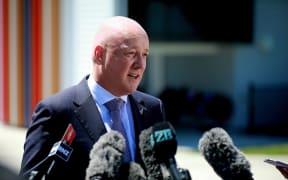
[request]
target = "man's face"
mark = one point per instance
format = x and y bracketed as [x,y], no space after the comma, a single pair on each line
[124,64]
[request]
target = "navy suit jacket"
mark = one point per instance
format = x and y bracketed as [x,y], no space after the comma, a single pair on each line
[75,105]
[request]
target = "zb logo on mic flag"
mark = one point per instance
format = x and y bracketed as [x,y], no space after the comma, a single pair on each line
[161,136]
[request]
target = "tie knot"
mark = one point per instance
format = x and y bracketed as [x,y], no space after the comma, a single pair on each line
[115,104]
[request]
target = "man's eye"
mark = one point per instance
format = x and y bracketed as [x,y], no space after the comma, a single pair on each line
[145,54]
[131,53]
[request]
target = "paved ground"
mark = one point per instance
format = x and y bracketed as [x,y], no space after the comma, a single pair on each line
[12,138]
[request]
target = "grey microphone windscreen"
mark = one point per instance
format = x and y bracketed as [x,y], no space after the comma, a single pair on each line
[106,157]
[225,158]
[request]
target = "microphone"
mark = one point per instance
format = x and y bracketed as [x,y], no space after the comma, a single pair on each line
[107,160]
[106,157]
[158,146]
[153,167]
[61,151]
[132,171]
[226,159]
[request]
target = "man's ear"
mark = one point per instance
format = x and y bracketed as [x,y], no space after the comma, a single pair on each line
[98,54]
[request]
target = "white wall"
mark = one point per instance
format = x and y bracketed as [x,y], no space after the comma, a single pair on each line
[80,19]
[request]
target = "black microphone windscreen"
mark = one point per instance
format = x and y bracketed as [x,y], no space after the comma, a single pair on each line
[226,159]
[152,166]
[106,157]
[163,140]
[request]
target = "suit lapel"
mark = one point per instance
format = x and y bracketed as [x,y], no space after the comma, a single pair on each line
[138,110]
[87,112]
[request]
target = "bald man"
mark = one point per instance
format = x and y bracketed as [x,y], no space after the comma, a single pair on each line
[121,47]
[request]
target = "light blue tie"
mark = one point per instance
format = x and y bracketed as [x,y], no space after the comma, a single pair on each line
[114,107]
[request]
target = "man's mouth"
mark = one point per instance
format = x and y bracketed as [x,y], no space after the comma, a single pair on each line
[135,76]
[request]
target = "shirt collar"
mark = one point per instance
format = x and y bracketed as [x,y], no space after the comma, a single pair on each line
[101,95]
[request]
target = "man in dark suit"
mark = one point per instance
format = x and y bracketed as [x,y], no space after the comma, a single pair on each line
[121,47]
